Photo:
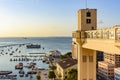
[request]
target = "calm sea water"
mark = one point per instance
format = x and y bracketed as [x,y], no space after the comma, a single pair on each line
[63,44]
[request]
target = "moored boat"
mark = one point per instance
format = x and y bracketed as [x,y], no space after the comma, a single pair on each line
[5,72]
[33,46]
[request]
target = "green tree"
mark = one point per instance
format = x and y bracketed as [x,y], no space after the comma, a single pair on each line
[71,74]
[59,75]
[53,67]
[38,75]
[51,75]
[68,54]
[63,57]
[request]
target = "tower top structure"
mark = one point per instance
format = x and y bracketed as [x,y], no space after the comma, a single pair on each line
[87,19]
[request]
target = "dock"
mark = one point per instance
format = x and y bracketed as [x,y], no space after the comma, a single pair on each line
[13,45]
[37,53]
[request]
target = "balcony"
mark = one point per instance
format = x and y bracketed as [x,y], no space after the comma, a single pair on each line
[79,34]
[106,34]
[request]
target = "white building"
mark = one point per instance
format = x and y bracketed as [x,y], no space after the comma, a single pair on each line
[55,53]
[117,74]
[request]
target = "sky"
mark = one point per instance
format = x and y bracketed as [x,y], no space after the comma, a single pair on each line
[45,18]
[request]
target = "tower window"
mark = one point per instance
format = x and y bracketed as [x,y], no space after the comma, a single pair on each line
[88,14]
[84,58]
[92,28]
[88,21]
[90,58]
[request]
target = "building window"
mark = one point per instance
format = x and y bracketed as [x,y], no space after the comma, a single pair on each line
[92,28]
[88,21]
[90,58]
[88,14]
[84,59]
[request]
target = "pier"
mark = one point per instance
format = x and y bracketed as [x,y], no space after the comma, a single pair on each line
[11,77]
[13,45]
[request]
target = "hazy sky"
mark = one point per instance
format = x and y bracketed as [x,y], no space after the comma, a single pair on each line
[51,17]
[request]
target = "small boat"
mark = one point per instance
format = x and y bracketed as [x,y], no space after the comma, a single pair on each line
[33,63]
[21,75]
[11,76]
[12,51]
[47,62]
[11,48]
[32,72]
[19,59]
[5,72]
[8,49]
[43,61]
[11,54]
[26,75]
[10,59]
[39,68]
[24,37]
[16,49]
[19,66]
[31,77]
[21,72]
[19,51]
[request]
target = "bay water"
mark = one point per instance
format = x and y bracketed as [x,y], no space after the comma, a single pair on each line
[62,44]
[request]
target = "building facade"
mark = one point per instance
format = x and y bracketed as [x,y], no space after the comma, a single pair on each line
[112,59]
[64,65]
[87,20]
[106,67]
[117,73]
[99,57]
[106,70]
[74,50]
[87,39]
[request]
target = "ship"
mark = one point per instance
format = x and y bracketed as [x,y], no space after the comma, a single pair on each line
[33,46]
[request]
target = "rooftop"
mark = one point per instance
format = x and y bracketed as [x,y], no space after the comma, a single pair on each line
[117,69]
[67,63]
[106,63]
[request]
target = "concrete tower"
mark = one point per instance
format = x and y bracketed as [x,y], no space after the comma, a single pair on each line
[87,19]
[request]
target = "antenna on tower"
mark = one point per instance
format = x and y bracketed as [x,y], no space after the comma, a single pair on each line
[86,4]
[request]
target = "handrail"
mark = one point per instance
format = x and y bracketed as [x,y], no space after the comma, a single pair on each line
[109,33]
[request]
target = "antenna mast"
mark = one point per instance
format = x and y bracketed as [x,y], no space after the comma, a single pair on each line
[86,4]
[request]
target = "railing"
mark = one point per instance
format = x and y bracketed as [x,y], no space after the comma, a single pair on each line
[76,34]
[79,34]
[109,33]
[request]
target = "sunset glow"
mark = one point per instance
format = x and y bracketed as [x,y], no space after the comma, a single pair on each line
[48,17]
